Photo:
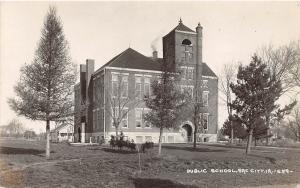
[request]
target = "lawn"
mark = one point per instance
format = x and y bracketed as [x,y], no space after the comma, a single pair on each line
[23,164]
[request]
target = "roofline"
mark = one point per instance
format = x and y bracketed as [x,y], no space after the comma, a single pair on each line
[108,63]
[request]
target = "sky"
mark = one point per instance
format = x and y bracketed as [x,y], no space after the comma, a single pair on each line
[232,31]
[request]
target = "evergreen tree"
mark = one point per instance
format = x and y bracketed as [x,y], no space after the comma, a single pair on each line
[233,123]
[45,89]
[256,92]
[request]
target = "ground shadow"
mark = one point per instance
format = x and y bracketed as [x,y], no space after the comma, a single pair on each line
[118,151]
[194,149]
[21,151]
[271,159]
[158,183]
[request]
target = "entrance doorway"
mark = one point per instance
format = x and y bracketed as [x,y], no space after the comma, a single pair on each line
[188,130]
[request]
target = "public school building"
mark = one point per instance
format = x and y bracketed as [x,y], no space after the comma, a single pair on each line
[182,47]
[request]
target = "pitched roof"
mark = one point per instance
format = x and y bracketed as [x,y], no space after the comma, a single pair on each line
[206,71]
[59,127]
[182,27]
[132,59]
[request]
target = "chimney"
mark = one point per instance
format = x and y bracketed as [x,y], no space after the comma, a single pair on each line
[89,71]
[154,54]
[83,82]
[199,29]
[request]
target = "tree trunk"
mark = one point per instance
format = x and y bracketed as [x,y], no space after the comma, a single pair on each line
[268,130]
[231,132]
[249,141]
[117,132]
[159,140]
[195,127]
[195,138]
[47,139]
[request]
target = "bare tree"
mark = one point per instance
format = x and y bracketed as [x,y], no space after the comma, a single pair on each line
[283,63]
[228,76]
[44,91]
[294,124]
[119,102]
[15,128]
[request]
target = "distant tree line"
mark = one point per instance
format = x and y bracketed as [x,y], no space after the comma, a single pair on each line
[17,130]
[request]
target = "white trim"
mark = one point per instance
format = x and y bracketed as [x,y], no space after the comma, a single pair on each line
[148,75]
[124,73]
[137,70]
[187,32]
[139,75]
[115,73]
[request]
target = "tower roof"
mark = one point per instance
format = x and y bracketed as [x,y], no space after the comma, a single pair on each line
[182,27]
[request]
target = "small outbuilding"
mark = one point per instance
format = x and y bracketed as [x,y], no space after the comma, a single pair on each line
[63,133]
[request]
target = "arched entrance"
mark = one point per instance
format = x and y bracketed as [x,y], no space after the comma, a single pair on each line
[79,134]
[188,132]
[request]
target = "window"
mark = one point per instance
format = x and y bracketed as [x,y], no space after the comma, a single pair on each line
[148,138]
[205,98]
[146,123]
[187,50]
[190,71]
[204,83]
[183,72]
[188,89]
[94,90]
[98,118]
[170,139]
[147,86]
[138,87]
[124,116]
[139,139]
[186,42]
[138,118]
[115,115]
[63,134]
[94,119]
[205,121]
[114,85]
[125,86]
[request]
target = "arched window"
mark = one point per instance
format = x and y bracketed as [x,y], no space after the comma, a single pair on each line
[187,50]
[186,42]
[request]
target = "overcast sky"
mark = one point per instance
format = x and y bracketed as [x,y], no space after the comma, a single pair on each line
[232,31]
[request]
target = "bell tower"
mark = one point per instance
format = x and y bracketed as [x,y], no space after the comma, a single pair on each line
[183,47]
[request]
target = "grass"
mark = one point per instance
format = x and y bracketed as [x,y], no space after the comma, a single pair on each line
[23,163]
